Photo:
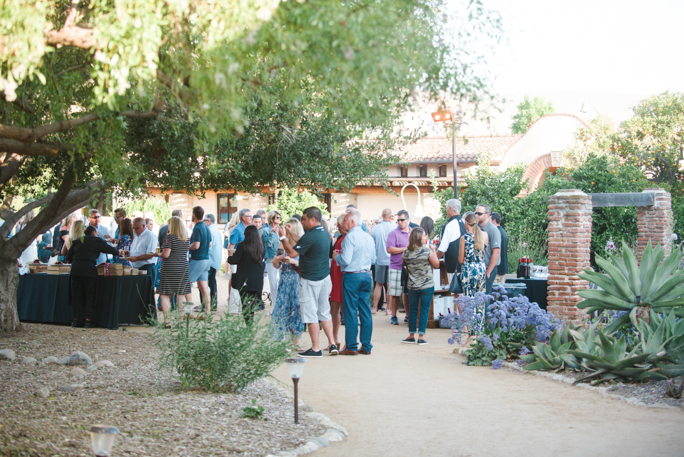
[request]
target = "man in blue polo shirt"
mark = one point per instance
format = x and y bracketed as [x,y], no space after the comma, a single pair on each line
[200,242]
[238,232]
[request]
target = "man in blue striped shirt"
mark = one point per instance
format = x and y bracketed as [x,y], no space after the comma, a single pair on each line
[358,254]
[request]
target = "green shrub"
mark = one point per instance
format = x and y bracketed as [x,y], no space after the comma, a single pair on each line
[219,355]
[292,201]
[161,209]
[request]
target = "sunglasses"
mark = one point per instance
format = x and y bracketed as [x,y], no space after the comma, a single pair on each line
[401,220]
[94,217]
[479,214]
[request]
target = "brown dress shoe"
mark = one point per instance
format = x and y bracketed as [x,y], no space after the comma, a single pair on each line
[349,352]
[364,352]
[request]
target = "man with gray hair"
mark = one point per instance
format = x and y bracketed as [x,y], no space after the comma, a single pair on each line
[102,231]
[238,232]
[452,231]
[355,260]
[380,233]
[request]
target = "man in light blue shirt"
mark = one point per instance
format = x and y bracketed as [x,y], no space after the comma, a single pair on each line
[215,257]
[358,254]
[380,233]
[102,231]
[238,232]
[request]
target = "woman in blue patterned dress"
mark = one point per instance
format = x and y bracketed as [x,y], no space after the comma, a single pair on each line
[472,254]
[286,318]
[125,240]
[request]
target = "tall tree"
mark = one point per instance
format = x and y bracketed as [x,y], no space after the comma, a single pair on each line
[528,112]
[74,75]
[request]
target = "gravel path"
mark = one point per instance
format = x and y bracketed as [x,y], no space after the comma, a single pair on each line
[155,417]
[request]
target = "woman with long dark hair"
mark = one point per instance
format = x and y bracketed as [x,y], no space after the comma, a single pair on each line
[125,239]
[249,279]
[420,258]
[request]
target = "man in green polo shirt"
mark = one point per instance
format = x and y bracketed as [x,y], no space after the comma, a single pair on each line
[315,285]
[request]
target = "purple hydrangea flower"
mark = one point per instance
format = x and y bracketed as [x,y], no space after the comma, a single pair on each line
[524,351]
[484,339]
[498,363]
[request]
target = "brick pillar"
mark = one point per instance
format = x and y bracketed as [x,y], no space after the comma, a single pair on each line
[570,221]
[655,222]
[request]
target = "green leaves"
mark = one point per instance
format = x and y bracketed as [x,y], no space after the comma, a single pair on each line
[528,112]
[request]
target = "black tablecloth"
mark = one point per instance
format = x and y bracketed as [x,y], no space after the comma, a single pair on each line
[118,299]
[536,290]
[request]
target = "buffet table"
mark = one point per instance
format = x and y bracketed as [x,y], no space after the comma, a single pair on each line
[118,299]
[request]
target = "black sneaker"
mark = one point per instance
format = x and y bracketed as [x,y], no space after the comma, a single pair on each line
[311,353]
[394,320]
[421,342]
[406,320]
[409,341]
[333,350]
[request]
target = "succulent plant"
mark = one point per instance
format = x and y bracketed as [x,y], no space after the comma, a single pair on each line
[552,356]
[635,288]
[616,363]
[674,390]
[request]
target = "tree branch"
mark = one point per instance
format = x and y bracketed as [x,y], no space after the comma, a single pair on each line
[67,70]
[10,165]
[22,105]
[33,149]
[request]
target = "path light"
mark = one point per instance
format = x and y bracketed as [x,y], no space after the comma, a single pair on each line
[455,121]
[295,366]
[102,439]
[418,212]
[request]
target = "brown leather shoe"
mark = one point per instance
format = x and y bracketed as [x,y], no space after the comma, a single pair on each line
[364,352]
[349,352]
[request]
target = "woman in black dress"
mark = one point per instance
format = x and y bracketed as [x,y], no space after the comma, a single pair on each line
[82,254]
[249,279]
[174,275]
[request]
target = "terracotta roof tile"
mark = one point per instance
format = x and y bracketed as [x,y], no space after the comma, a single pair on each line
[439,149]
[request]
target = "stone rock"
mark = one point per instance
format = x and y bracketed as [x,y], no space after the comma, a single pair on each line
[8,354]
[42,392]
[51,359]
[79,358]
[77,372]
[67,388]
[320,441]
[29,361]
[104,363]
[307,409]
[63,360]
[78,386]
[332,435]
[92,368]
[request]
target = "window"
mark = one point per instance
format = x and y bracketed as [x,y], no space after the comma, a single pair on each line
[327,198]
[403,171]
[442,171]
[227,205]
[271,199]
[422,171]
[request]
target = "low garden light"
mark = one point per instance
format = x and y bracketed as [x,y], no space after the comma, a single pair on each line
[295,366]
[454,121]
[102,439]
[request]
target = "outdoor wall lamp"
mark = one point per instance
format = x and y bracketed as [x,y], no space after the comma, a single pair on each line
[102,439]
[295,366]
[455,121]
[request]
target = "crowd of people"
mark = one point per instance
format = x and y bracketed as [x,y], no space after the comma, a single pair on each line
[321,275]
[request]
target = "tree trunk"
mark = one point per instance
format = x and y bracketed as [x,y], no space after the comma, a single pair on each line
[9,282]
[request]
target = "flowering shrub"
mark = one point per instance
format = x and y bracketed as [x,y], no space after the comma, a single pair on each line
[511,324]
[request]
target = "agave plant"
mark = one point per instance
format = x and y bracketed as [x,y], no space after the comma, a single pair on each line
[585,341]
[615,362]
[552,356]
[635,288]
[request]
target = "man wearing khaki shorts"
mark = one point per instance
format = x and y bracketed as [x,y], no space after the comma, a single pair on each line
[315,285]
[397,240]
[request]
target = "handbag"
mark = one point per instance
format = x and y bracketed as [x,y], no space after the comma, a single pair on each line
[456,287]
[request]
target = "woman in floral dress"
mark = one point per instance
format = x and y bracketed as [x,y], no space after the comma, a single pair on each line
[286,318]
[472,254]
[125,240]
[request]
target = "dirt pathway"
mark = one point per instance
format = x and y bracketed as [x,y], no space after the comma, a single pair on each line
[407,399]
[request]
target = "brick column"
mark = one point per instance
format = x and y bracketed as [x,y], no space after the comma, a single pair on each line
[655,222]
[570,218]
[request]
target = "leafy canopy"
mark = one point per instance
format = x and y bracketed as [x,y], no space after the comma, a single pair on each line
[528,112]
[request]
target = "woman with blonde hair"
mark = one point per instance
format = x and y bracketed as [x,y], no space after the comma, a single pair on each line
[235,220]
[174,274]
[420,258]
[286,318]
[472,255]
[77,231]
[271,240]
[64,230]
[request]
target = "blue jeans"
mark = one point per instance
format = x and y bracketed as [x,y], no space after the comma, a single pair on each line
[419,299]
[357,288]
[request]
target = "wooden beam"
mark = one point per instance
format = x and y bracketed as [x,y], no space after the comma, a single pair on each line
[622,199]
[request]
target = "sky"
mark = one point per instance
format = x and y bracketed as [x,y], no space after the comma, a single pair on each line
[610,54]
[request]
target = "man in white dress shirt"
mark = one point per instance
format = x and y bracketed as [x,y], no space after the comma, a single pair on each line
[144,248]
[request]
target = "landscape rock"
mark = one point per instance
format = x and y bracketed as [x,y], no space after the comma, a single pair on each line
[8,354]
[307,409]
[29,361]
[63,360]
[67,388]
[42,392]
[79,358]
[51,359]
[104,363]
[92,368]
[77,372]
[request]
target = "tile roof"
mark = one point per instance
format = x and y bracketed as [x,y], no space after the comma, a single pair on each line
[439,149]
